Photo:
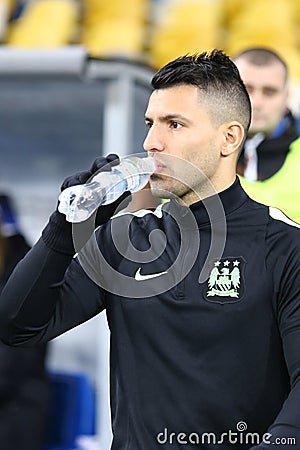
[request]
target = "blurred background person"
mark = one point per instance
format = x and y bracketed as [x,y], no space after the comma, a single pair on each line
[271,153]
[265,75]
[24,388]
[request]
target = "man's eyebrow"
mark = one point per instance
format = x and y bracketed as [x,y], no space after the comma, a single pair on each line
[264,86]
[167,117]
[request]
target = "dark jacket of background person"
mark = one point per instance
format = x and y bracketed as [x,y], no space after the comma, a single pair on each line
[24,388]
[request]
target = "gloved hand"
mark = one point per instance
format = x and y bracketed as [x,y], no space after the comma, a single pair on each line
[57,234]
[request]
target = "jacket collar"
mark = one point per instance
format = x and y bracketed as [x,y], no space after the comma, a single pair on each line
[213,208]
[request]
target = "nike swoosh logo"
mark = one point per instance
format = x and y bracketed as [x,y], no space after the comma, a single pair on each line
[139,277]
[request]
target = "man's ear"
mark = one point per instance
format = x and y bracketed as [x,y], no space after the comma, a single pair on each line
[233,135]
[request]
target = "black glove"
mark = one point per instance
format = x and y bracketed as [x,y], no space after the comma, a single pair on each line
[57,234]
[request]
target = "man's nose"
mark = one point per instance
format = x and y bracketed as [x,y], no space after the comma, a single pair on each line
[256,100]
[153,141]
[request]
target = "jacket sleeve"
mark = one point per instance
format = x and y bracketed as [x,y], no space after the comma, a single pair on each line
[284,433]
[47,294]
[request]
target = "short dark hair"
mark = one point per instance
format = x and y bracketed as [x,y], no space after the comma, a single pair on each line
[217,78]
[262,56]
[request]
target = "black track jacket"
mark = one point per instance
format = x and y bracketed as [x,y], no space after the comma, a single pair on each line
[205,332]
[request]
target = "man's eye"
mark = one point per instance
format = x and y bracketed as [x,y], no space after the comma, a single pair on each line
[148,124]
[175,124]
[269,92]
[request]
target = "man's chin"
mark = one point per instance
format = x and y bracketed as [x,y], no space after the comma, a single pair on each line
[162,193]
[159,188]
[258,127]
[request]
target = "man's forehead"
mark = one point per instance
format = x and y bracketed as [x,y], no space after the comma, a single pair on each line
[273,73]
[182,96]
[178,89]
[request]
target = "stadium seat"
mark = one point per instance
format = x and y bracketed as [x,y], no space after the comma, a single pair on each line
[115,28]
[6,9]
[246,27]
[183,27]
[44,24]
[73,410]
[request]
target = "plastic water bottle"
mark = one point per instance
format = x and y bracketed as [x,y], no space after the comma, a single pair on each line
[79,202]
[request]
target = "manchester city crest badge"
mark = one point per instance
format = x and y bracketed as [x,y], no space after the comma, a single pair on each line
[225,283]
